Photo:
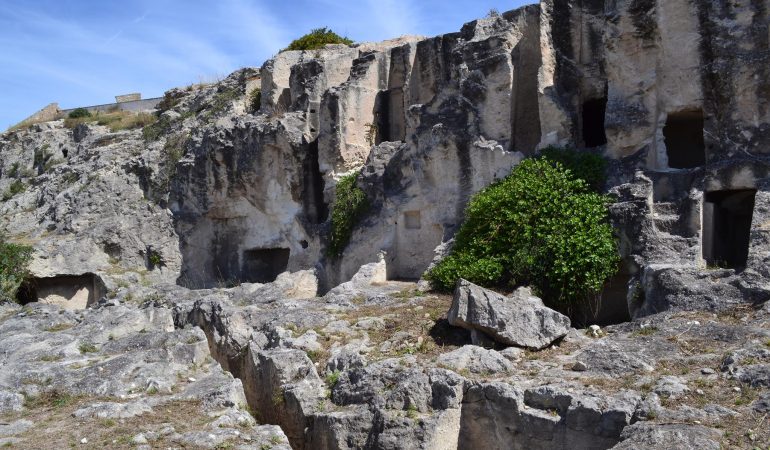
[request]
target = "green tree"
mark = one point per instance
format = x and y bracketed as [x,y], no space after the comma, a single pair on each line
[540,226]
[14,262]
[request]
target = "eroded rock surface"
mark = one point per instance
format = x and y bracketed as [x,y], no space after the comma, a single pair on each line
[521,319]
[211,303]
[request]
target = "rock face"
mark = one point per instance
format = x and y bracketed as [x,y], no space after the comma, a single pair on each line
[213,222]
[521,319]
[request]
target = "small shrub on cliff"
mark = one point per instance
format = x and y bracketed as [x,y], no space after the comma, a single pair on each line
[78,113]
[317,39]
[589,167]
[540,226]
[14,260]
[255,100]
[17,187]
[349,206]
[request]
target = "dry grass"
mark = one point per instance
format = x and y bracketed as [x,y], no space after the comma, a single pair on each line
[115,121]
[56,427]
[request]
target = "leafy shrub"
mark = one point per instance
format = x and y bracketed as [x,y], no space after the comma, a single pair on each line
[14,262]
[540,226]
[317,39]
[255,99]
[349,206]
[79,113]
[14,170]
[155,130]
[17,187]
[589,167]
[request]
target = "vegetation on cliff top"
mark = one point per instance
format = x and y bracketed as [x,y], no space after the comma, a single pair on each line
[541,226]
[14,262]
[349,206]
[317,39]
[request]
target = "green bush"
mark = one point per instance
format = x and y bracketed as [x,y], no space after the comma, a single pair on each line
[589,167]
[349,206]
[17,187]
[255,99]
[541,227]
[79,113]
[14,261]
[316,39]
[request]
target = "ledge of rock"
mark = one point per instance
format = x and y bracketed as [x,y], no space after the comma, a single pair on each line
[520,320]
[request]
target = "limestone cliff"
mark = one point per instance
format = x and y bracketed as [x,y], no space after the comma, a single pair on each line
[218,215]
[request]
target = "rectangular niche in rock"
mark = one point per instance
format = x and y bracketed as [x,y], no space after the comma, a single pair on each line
[412,220]
[263,265]
[67,291]
[727,226]
[683,135]
[594,134]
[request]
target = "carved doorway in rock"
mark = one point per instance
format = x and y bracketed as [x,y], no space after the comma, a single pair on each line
[727,226]
[683,135]
[594,134]
[263,265]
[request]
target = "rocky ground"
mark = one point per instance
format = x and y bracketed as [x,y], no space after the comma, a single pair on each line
[372,364]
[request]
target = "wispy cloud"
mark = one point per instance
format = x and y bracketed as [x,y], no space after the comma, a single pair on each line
[86,52]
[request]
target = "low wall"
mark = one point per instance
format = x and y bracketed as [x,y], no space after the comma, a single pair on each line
[145,105]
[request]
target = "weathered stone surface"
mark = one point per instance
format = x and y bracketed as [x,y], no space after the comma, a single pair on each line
[235,204]
[520,320]
[475,360]
[667,436]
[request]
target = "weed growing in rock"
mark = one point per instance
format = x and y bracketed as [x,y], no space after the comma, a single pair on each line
[87,347]
[332,378]
[317,39]
[14,170]
[14,262]
[540,226]
[17,187]
[349,207]
[58,327]
[371,133]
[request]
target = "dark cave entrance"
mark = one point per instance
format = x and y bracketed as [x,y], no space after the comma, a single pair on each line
[685,145]
[313,186]
[71,291]
[264,265]
[594,134]
[727,227]
[379,131]
[610,307]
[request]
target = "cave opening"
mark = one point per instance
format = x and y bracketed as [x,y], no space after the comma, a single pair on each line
[727,219]
[594,134]
[380,130]
[68,291]
[313,186]
[263,265]
[683,135]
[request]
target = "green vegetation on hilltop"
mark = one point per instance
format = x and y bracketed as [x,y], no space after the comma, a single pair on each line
[541,226]
[317,39]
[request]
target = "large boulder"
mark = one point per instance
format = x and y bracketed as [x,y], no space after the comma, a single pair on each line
[521,319]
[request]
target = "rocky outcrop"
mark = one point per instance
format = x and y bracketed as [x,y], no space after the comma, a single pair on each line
[216,218]
[521,319]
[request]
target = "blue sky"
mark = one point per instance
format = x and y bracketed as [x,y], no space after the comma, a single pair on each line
[80,53]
